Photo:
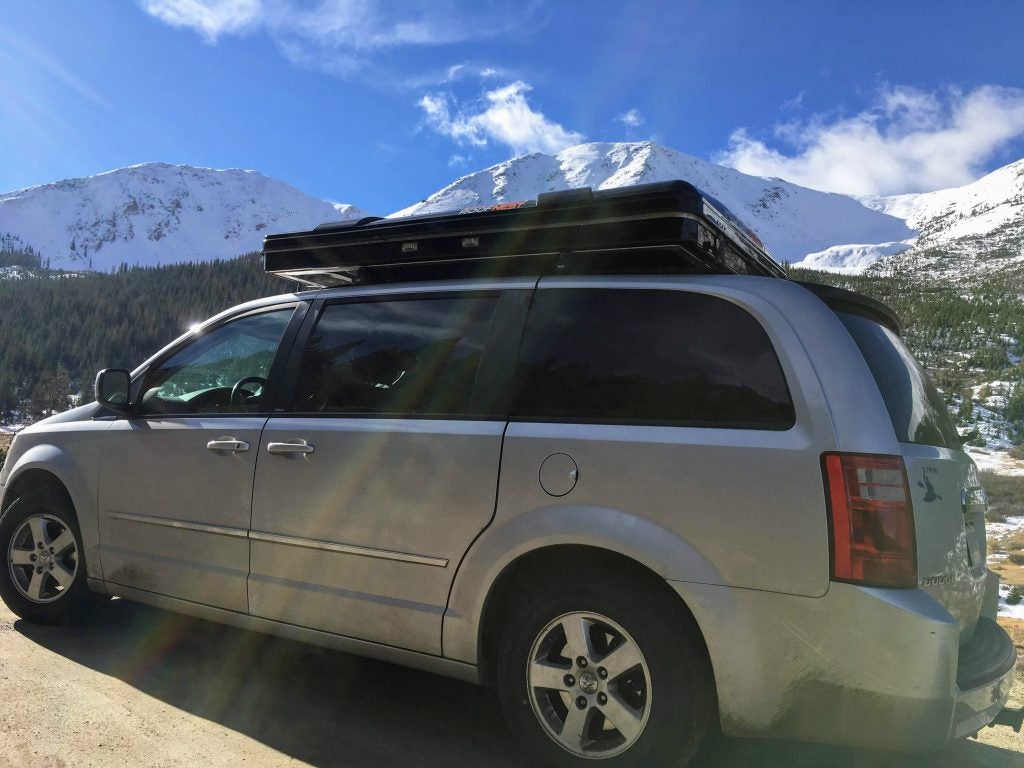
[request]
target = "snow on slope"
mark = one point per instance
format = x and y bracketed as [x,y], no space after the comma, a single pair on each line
[990,209]
[792,220]
[852,259]
[158,213]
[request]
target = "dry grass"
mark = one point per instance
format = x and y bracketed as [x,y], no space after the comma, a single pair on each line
[1009,573]
[5,441]
[1015,629]
[1005,495]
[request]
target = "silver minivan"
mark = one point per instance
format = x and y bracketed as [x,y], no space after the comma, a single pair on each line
[639,505]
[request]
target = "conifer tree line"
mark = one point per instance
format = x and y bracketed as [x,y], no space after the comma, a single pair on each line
[58,329]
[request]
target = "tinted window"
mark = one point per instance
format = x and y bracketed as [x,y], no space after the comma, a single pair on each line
[663,357]
[404,357]
[202,377]
[915,407]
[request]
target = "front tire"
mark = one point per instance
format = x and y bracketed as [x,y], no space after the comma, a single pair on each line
[43,575]
[604,670]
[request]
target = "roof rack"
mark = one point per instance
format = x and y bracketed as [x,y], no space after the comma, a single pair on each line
[667,227]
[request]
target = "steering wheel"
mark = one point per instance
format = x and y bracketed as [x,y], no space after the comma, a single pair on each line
[239,391]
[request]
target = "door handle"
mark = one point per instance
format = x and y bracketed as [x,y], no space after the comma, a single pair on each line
[228,444]
[292,446]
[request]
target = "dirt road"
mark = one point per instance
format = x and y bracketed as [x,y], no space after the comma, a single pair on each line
[145,688]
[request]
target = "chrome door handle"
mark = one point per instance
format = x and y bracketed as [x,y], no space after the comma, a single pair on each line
[228,444]
[292,446]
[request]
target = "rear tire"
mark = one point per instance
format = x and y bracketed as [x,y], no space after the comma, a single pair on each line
[42,577]
[606,671]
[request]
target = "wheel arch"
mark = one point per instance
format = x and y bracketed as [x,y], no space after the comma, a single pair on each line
[582,537]
[48,466]
[546,562]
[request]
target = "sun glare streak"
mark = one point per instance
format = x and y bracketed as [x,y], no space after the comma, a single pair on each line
[18,51]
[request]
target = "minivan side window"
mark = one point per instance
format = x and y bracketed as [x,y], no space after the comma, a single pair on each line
[648,357]
[404,357]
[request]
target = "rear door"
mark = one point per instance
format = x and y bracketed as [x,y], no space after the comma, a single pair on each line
[949,505]
[383,469]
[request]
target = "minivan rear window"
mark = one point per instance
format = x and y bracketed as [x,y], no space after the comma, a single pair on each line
[915,406]
[658,357]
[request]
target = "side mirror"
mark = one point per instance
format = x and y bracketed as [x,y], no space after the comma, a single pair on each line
[112,388]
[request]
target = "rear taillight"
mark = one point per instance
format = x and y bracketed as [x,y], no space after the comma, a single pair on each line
[870,520]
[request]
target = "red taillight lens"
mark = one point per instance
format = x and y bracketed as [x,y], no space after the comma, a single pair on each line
[870,520]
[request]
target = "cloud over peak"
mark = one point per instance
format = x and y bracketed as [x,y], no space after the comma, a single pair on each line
[908,141]
[503,116]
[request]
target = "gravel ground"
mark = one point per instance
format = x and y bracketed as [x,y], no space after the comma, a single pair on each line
[145,688]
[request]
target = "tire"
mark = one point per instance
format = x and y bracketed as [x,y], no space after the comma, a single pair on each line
[644,697]
[43,575]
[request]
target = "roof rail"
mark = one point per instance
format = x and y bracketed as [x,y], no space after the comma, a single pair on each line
[667,227]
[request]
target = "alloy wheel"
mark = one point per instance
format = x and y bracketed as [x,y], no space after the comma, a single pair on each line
[42,558]
[589,685]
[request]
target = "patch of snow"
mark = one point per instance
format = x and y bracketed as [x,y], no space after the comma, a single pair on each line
[1010,525]
[852,259]
[991,425]
[1005,609]
[997,462]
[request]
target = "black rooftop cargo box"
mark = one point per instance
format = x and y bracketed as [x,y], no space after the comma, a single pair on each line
[668,227]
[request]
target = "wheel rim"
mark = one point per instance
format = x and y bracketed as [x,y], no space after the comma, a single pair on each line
[589,685]
[42,558]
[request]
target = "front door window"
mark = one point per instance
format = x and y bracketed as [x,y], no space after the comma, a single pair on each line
[224,371]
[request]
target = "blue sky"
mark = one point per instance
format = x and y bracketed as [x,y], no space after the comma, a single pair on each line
[381,103]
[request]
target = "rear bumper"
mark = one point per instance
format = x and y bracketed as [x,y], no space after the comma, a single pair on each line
[984,677]
[870,668]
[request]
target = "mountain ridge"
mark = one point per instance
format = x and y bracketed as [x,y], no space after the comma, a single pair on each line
[792,220]
[153,213]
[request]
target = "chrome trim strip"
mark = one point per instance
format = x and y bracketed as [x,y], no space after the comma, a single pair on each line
[349,549]
[217,530]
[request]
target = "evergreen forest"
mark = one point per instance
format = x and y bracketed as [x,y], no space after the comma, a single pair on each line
[58,329]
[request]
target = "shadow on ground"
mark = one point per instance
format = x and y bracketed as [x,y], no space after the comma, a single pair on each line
[331,710]
[322,707]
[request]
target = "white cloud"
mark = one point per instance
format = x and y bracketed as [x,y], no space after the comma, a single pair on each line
[909,141]
[631,119]
[210,18]
[504,116]
[342,36]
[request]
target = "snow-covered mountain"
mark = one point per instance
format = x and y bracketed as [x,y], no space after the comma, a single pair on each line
[951,215]
[158,213]
[976,228]
[793,221]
